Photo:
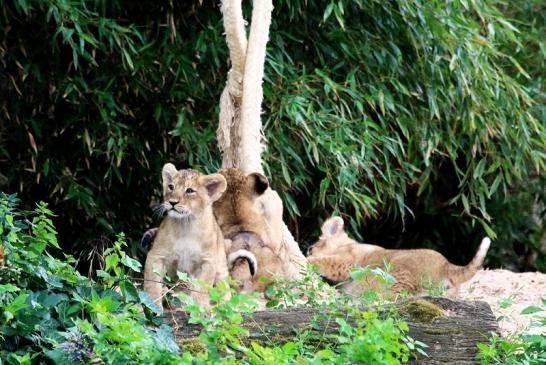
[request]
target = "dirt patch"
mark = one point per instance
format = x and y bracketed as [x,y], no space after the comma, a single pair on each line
[508,293]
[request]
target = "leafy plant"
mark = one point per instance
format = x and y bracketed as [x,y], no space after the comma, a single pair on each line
[49,310]
[526,348]
[433,288]
[374,337]
[309,291]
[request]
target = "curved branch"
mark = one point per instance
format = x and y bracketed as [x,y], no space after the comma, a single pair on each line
[234,26]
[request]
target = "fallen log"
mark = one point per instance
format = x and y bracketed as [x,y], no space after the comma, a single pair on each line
[450,328]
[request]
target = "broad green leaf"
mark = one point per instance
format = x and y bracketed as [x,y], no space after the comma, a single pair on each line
[131,263]
[8,288]
[531,310]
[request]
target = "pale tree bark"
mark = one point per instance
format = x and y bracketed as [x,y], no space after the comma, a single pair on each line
[230,101]
[240,128]
[250,129]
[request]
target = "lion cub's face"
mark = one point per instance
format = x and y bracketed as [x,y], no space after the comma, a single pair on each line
[333,238]
[187,193]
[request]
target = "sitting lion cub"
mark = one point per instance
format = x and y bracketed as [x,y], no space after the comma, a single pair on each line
[335,255]
[189,239]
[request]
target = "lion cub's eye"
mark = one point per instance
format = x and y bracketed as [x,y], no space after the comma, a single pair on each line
[171,187]
[190,191]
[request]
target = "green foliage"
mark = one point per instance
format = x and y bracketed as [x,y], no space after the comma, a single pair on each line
[85,84]
[406,108]
[309,291]
[526,348]
[421,121]
[374,341]
[376,337]
[524,209]
[223,330]
[51,313]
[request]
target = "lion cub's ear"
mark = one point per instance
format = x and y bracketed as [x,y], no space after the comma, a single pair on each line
[332,227]
[215,185]
[257,183]
[168,173]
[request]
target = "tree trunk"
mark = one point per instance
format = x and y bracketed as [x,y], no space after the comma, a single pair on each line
[450,328]
[239,130]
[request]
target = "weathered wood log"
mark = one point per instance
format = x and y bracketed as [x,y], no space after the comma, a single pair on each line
[450,328]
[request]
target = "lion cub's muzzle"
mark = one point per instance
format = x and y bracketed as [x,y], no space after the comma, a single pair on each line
[177,211]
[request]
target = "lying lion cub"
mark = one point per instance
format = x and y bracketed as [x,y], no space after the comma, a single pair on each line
[335,255]
[189,239]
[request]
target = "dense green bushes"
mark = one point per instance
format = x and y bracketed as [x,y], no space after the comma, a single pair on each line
[49,311]
[414,118]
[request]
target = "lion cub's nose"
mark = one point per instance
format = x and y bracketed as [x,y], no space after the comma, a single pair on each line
[173,202]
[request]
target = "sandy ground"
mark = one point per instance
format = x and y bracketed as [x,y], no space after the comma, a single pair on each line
[508,293]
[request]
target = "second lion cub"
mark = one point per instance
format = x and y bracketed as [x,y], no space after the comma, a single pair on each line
[335,255]
[189,239]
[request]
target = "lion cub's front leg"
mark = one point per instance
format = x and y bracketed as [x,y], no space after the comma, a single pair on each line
[333,268]
[154,271]
[207,277]
[213,269]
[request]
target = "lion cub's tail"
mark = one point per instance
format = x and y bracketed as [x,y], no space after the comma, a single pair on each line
[148,238]
[235,257]
[460,274]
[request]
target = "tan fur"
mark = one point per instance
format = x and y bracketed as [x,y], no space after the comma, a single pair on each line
[335,255]
[282,242]
[236,211]
[243,222]
[189,238]
[250,216]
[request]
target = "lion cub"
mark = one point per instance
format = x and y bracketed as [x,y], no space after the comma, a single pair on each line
[335,255]
[247,229]
[188,239]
